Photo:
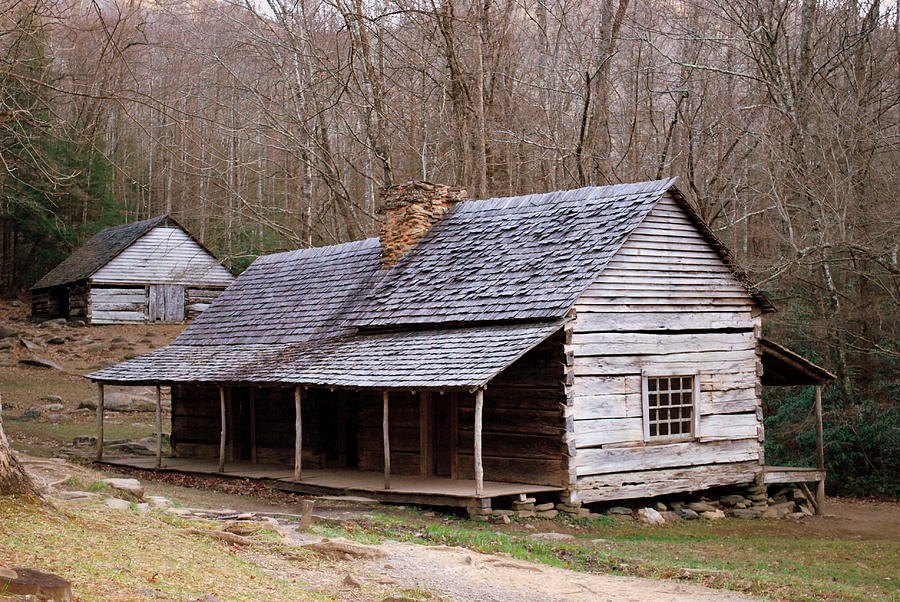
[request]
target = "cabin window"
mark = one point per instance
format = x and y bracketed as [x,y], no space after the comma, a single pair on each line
[670,407]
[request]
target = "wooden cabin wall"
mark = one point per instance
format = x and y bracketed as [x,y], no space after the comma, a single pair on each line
[196,421]
[165,255]
[50,302]
[665,302]
[79,301]
[114,304]
[198,299]
[523,424]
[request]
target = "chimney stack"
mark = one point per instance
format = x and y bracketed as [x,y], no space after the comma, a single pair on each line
[409,211]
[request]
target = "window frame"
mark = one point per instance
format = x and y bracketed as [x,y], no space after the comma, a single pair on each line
[645,404]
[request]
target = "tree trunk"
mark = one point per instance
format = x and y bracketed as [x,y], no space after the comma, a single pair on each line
[13,480]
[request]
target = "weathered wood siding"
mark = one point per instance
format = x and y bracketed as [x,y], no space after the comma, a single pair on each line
[114,304]
[165,255]
[665,302]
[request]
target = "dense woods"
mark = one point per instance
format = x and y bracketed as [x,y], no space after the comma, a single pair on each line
[272,125]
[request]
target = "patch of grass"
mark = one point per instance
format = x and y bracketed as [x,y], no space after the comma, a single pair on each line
[754,557]
[98,486]
[133,556]
[74,482]
[60,433]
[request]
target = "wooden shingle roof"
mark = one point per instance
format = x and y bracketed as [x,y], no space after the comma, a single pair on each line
[446,358]
[517,258]
[97,252]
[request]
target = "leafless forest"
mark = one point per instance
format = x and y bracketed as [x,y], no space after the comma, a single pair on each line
[271,124]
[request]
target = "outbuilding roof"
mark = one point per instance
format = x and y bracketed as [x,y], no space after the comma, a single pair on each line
[102,248]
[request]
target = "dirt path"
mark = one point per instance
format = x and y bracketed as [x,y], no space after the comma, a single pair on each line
[462,574]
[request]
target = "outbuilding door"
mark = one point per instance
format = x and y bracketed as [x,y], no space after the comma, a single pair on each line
[166,303]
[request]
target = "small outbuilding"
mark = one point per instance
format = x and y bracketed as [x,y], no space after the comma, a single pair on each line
[148,271]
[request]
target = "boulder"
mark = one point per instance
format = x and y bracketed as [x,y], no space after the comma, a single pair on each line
[122,402]
[670,516]
[713,514]
[132,487]
[650,516]
[701,507]
[622,510]
[543,507]
[31,582]
[40,362]
[114,503]
[747,513]
[688,514]
[734,500]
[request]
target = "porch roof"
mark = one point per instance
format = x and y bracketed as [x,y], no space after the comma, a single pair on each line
[449,358]
[783,367]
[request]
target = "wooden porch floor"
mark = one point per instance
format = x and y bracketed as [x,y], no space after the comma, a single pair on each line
[793,474]
[435,491]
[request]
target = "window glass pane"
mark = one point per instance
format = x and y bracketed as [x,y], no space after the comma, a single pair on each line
[670,406]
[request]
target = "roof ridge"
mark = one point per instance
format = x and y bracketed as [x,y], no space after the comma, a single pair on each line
[310,252]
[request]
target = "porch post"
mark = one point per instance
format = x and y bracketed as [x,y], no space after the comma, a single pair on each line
[222,432]
[479,469]
[99,421]
[298,433]
[385,433]
[158,427]
[820,452]
[253,457]
[425,462]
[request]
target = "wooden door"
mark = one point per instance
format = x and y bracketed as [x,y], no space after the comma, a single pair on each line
[445,435]
[166,303]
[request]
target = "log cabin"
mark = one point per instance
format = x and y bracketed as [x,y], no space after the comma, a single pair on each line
[148,271]
[595,344]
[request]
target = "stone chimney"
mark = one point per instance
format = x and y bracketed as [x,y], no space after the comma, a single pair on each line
[409,211]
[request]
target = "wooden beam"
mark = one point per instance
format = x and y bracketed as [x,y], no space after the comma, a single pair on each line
[100,421]
[158,427]
[298,433]
[453,426]
[385,432]
[820,452]
[479,468]
[253,457]
[222,433]
[425,458]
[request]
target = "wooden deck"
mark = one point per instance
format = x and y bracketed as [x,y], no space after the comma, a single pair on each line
[793,474]
[435,491]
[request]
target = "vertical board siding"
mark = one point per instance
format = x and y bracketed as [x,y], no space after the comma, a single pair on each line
[168,256]
[665,302]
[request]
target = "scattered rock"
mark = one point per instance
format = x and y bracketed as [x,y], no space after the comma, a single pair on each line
[55,417]
[75,495]
[547,514]
[551,536]
[52,399]
[6,331]
[688,514]
[713,514]
[779,510]
[114,503]
[40,362]
[701,507]
[56,340]
[6,573]
[544,507]
[747,513]
[52,407]
[497,512]
[132,487]
[734,500]
[45,586]
[158,501]
[660,507]
[351,581]
[619,510]
[31,413]
[503,519]
[795,515]
[670,517]
[650,516]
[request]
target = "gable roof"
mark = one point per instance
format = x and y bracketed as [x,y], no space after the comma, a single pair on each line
[102,248]
[288,297]
[492,277]
[517,258]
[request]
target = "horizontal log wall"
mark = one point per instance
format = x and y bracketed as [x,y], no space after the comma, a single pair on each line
[197,300]
[165,255]
[113,304]
[80,300]
[666,303]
